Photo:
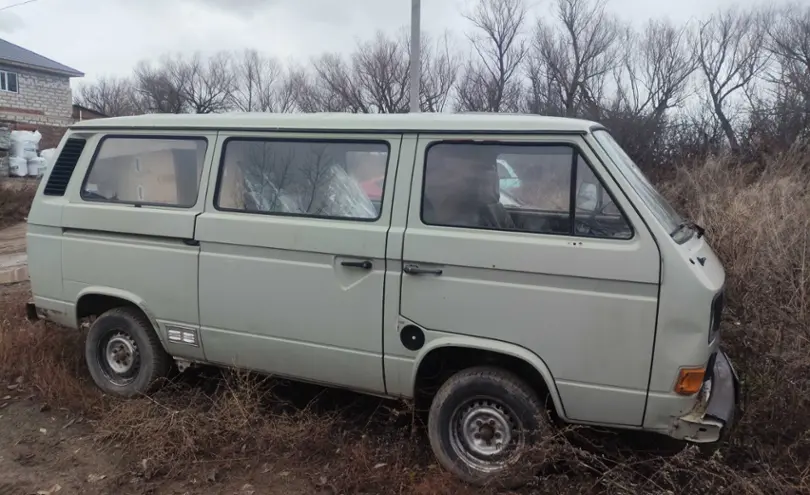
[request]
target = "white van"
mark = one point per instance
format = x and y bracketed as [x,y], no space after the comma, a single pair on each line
[245,240]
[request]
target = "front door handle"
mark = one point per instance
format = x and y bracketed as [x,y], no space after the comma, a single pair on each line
[415,270]
[365,264]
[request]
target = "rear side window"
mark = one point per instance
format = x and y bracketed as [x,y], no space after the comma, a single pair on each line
[150,171]
[328,179]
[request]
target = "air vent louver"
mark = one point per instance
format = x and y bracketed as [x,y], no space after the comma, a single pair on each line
[63,168]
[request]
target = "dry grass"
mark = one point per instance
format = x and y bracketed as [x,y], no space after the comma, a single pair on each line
[756,219]
[49,358]
[15,200]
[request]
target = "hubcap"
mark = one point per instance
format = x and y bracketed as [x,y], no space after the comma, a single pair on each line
[485,434]
[120,358]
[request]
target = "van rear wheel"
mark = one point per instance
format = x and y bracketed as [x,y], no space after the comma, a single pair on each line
[482,424]
[123,353]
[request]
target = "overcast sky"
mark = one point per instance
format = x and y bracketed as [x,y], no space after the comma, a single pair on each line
[108,37]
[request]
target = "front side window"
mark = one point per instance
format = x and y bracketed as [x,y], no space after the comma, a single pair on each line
[653,200]
[151,171]
[332,179]
[553,191]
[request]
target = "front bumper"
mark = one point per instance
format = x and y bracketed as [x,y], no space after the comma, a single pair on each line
[717,407]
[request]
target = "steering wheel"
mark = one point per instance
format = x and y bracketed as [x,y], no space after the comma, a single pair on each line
[592,224]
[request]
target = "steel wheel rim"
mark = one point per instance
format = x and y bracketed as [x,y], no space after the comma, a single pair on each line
[120,358]
[486,434]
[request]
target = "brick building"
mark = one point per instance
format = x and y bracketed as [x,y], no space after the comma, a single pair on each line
[35,93]
[83,113]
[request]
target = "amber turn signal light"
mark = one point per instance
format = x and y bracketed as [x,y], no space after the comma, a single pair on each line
[689,381]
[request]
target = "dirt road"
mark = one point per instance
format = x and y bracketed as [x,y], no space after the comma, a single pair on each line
[52,451]
[13,260]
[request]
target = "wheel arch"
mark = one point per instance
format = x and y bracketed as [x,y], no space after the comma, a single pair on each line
[96,300]
[492,347]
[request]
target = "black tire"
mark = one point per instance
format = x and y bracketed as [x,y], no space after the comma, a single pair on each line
[125,331]
[467,398]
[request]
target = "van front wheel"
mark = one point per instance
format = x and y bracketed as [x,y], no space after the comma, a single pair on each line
[482,424]
[123,353]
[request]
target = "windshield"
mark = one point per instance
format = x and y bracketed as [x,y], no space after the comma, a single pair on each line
[660,208]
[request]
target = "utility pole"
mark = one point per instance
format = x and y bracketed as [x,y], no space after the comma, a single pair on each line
[416,66]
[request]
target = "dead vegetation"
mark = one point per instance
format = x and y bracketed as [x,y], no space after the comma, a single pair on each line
[15,200]
[215,422]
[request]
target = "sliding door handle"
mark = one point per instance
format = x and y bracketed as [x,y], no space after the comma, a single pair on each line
[365,264]
[415,270]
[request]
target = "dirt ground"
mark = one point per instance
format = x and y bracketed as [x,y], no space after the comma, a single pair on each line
[12,239]
[49,450]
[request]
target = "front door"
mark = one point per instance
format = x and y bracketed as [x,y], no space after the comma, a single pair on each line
[292,261]
[534,266]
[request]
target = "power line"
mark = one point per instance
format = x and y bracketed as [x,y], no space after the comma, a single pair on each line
[17,4]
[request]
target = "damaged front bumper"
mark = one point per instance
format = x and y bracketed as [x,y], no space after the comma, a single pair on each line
[717,407]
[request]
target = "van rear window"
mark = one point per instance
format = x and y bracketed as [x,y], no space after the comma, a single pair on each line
[146,170]
[327,179]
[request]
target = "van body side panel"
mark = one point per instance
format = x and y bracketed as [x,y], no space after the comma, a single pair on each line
[585,306]
[162,272]
[278,293]
[44,243]
[684,314]
[683,328]
[141,251]
[398,362]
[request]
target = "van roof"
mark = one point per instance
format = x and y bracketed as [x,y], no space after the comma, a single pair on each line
[419,122]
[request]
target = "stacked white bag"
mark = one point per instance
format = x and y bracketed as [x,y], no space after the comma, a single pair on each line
[49,155]
[23,159]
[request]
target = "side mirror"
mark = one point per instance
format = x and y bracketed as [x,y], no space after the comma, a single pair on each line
[587,196]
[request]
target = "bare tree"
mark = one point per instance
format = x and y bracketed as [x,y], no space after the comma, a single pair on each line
[789,42]
[261,84]
[440,69]
[207,83]
[381,73]
[491,81]
[110,96]
[332,87]
[655,70]
[375,78]
[160,87]
[730,52]
[570,62]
